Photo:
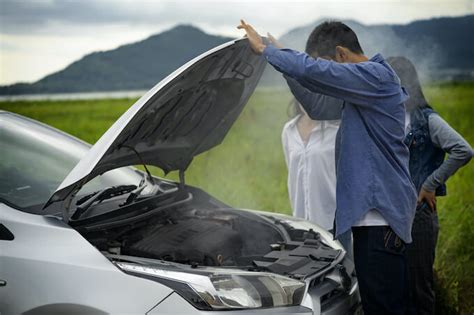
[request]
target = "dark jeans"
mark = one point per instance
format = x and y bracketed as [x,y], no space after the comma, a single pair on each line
[380,262]
[420,258]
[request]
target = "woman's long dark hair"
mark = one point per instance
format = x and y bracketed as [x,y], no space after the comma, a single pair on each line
[294,108]
[408,75]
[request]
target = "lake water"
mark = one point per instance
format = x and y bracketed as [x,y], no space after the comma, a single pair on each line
[73,96]
[92,95]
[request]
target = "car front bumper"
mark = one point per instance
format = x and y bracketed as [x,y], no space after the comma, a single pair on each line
[326,300]
[316,302]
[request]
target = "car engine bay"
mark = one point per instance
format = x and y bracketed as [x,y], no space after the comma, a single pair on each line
[195,229]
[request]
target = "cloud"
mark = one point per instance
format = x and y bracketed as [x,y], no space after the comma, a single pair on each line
[32,31]
[20,16]
[60,16]
[42,16]
[6,46]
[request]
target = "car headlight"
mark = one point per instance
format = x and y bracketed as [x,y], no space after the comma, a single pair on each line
[225,289]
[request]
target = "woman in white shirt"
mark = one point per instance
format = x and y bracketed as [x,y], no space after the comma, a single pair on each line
[309,148]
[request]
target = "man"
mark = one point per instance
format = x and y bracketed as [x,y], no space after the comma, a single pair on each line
[375,195]
[429,138]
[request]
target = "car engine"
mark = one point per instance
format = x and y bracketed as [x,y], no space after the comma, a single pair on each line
[209,243]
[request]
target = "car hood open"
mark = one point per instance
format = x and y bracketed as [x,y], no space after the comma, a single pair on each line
[187,113]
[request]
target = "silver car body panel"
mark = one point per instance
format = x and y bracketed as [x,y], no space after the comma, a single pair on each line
[168,306]
[50,268]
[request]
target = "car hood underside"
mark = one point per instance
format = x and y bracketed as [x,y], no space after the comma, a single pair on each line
[187,113]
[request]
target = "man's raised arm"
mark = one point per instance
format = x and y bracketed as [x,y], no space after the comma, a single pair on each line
[317,106]
[358,83]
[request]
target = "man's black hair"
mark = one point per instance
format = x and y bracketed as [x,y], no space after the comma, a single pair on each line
[327,35]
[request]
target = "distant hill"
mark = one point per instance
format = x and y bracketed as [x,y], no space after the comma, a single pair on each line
[134,66]
[441,48]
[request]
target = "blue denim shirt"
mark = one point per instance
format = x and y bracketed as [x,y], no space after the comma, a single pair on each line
[372,159]
[317,106]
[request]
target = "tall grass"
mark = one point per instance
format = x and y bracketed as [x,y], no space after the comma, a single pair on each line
[248,171]
[455,251]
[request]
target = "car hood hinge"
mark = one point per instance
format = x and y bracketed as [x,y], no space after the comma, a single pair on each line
[181,179]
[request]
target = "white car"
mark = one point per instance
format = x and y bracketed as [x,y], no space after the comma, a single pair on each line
[83,232]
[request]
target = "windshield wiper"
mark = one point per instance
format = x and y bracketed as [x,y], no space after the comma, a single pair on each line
[133,195]
[107,193]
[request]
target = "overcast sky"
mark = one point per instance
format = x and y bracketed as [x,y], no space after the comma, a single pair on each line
[38,37]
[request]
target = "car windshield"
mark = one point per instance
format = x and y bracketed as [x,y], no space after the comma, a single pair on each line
[36,158]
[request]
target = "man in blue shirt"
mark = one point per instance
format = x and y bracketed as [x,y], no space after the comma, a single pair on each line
[375,194]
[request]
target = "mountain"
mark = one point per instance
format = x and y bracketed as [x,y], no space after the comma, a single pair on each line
[134,66]
[441,48]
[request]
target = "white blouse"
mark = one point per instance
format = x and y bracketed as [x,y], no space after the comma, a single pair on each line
[312,171]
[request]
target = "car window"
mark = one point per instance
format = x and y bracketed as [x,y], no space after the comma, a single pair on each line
[36,158]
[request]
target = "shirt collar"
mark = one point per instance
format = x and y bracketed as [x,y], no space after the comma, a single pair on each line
[377,58]
[322,123]
[293,121]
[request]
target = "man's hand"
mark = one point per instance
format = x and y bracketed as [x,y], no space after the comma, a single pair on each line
[429,197]
[274,41]
[255,40]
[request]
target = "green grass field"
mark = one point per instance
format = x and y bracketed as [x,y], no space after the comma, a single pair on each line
[247,170]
